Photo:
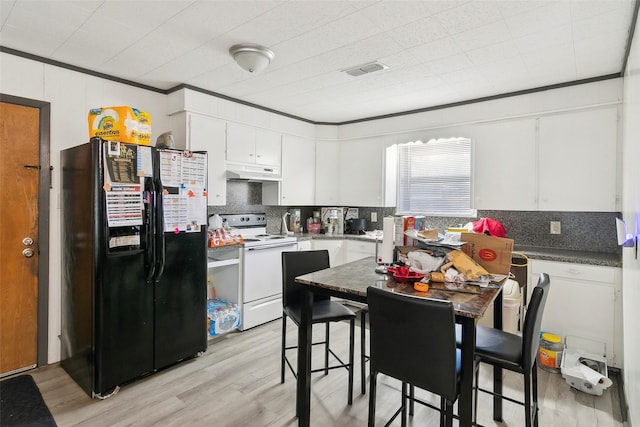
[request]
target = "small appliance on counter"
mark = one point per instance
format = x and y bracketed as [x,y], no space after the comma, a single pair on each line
[355,226]
[295,222]
[333,220]
[314,225]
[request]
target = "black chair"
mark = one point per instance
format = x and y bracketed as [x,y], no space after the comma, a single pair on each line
[364,357]
[413,340]
[515,353]
[324,310]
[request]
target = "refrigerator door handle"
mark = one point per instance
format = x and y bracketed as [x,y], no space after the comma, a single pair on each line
[160,243]
[150,230]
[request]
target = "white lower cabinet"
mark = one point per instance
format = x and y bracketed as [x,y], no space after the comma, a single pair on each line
[335,248]
[358,249]
[341,250]
[584,301]
[304,245]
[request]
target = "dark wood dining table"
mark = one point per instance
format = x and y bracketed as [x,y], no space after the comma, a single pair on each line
[350,282]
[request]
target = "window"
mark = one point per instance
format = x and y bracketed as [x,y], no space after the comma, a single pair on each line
[434,178]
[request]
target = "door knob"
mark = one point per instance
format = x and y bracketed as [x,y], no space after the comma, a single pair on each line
[27,241]
[28,252]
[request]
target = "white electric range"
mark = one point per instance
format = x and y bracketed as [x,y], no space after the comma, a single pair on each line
[261,267]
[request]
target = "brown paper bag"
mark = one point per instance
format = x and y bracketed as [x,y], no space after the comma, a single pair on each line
[493,253]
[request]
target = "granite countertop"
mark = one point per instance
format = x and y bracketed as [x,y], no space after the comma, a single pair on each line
[566,255]
[605,259]
[353,279]
[309,236]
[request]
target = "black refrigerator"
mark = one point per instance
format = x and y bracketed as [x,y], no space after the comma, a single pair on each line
[134,264]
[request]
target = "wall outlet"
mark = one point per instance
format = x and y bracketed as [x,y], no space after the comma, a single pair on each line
[554,227]
[374,216]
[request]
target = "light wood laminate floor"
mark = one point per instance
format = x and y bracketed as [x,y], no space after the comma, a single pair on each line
[237,383]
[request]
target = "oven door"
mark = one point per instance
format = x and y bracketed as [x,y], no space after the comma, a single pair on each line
[263,270]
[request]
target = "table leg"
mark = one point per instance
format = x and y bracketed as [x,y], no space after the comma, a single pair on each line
[497,371]
[465,401]
[303,392]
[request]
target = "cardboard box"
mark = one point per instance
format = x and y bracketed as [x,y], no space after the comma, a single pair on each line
[431,234]
[492,253]
[124,124]
[402,224]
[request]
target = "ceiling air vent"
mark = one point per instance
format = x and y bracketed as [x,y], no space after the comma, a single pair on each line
[367,68]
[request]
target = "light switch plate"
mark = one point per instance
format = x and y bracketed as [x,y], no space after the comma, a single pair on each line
[374,216]
[554,227]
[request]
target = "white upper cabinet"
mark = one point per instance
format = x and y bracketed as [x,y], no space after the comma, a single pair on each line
[362,168]
[246,144]
[578,161]
[298,171]
[297,187]
[327,173]
[504,170]
[268,147]
[197,132]
[561,162]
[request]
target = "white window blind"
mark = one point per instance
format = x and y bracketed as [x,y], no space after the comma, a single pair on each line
[434,178]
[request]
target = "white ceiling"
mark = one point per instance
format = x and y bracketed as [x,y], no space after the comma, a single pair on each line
[439,52]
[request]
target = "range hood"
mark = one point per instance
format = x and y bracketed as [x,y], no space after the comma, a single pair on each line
[253,173]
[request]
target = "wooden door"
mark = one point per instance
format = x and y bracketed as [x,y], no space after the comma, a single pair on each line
[19,177]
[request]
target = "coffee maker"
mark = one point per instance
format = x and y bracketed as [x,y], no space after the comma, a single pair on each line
[333,220]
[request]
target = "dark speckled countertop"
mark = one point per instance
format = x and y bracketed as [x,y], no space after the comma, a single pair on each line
[566,255]
[533,252]
[351,281]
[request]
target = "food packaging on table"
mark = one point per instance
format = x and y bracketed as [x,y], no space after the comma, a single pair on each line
[492,253]
[402,224]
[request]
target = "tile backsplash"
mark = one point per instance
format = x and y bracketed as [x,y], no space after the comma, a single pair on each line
[583,231]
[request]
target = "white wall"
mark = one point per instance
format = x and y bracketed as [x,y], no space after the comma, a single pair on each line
[71,95]
[631,213]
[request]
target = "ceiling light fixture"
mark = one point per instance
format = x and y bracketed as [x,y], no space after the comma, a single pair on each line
[251,57]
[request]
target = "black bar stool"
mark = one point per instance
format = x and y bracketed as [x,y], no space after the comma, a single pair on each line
[413,340]
[324,310]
